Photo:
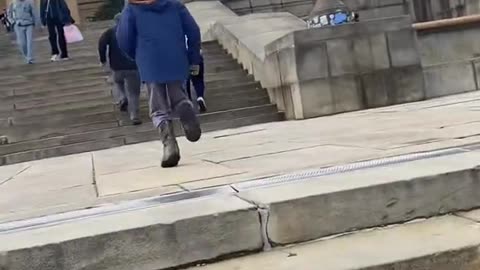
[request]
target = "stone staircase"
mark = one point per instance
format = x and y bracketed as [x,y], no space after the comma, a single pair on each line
[53,109]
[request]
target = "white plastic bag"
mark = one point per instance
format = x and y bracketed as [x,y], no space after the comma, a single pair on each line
[72,34]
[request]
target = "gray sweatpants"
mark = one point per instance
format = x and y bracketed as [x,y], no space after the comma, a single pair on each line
[126,87]
[164,98]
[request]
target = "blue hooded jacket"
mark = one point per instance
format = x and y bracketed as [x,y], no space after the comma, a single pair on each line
[154,35]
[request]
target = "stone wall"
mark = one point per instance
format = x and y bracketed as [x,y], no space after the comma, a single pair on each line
[344,68]
[450,59]
[302,8]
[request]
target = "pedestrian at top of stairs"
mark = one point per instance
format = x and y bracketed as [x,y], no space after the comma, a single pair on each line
[22,14]
[55,14]
[126,80]
[153,33]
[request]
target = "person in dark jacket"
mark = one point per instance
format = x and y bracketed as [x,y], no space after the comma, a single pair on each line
[126,79]
[55,14]
[153,33]
[198,82]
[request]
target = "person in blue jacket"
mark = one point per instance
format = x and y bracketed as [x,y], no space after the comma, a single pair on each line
[153,33]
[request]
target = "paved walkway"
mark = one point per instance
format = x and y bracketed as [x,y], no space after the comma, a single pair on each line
[225,157]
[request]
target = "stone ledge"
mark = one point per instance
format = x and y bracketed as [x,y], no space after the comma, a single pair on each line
[439,243]
[218,225]
[161,237]
[367,198]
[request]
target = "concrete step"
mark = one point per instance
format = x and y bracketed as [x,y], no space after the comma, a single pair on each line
[360,216]
[64,126]
[49,106]
[436,243]
[57,144]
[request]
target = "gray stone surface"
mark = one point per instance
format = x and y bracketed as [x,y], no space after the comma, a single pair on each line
[155,238]
[206,13]
[449,45]
[397,193]
[372,63]
[402,45]
[446,243]
[449,78]
[340,56]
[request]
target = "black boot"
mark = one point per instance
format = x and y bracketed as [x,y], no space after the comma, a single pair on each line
[189,121]
[171,153]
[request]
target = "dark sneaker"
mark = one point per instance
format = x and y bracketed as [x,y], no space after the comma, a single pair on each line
[202,104]
[123,105]
[136,121]
[189,121]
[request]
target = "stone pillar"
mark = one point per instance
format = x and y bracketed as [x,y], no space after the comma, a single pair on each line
[349,67]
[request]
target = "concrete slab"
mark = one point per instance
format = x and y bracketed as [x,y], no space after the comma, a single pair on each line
[471,215]
[153,177]
[439,243]
[154,238]
[303,211]
[303,158]
[250,152]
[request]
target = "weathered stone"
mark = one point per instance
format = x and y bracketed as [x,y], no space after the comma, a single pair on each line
[340,57]
[371,53]
[311,61]
[406,84]
[397,193]
[449,78]
[450,45]
[439,243]
[402,46]
[346,94]
[160,237]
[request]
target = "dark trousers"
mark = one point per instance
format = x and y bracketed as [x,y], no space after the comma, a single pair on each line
[56,36]
[198,83]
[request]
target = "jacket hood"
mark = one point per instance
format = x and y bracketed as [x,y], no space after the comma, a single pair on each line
[157,5]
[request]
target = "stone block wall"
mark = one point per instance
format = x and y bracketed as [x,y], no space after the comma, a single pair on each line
[450,59]
[301,8]
[344,68]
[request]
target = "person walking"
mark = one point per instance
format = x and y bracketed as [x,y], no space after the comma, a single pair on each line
[198,81]
[126,80]
[5,21]
[153,33]
[22,14]
[55,14]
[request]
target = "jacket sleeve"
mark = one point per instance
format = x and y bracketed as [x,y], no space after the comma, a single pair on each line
[102,45]
[127,33]
[43,12]
[32,13]
[192,31]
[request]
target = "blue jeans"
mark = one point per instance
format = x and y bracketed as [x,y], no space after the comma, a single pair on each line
[25,41]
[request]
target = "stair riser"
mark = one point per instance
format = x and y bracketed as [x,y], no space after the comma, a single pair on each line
[207,120]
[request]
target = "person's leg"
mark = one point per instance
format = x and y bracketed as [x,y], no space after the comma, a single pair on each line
[161,114]
[199,85]
[199,82]
[29,39]
[52,37]
[184,107]
[62,41]
[188,87]
[21,39]
[132,86]
[119,90]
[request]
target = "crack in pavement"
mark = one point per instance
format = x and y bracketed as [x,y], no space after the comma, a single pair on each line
[15,175]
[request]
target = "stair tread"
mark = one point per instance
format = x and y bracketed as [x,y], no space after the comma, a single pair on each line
[66,107]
